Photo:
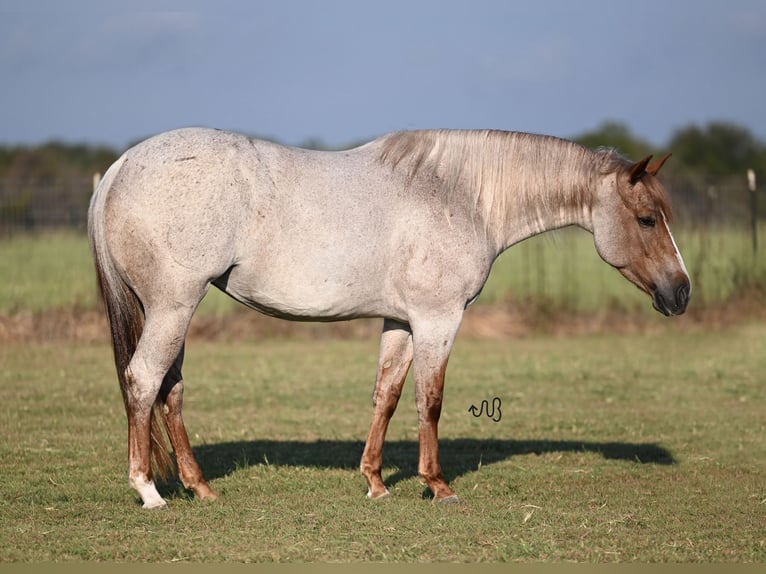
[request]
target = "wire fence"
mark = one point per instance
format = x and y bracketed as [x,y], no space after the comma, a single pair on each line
[35,206]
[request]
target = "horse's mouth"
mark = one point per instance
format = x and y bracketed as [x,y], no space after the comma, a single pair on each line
[672,305]
[659,304]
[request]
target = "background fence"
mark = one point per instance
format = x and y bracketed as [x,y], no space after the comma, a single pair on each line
[34,206]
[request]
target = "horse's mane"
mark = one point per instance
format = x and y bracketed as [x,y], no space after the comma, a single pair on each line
[498,169]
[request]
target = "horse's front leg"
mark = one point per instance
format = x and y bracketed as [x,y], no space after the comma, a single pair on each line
[393,363]
[432,346]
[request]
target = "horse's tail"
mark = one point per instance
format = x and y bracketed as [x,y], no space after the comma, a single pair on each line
[124,312]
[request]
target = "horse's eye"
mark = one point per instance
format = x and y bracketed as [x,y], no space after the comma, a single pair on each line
[648,221]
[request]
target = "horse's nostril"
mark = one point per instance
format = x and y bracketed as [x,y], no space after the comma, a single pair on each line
[682,295]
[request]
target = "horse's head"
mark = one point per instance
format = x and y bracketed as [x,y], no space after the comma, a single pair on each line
[632,233]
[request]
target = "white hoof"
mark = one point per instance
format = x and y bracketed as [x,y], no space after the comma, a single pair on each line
[148,492]
[381,497]
[156,504]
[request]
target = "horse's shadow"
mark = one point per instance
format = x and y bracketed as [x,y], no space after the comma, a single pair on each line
[458,456]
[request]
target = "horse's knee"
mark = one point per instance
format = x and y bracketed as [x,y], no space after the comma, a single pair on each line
[430,407]
[387,401]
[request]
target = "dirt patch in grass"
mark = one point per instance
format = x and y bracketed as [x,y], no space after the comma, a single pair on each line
[496,321]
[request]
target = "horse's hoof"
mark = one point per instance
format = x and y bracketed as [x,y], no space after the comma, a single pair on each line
[205,493]
[452,499]
[161,504]
[383,496]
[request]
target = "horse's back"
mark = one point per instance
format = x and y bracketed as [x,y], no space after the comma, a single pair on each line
[286,230]
[202,174]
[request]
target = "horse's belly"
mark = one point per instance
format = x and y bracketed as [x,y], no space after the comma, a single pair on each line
[306,298]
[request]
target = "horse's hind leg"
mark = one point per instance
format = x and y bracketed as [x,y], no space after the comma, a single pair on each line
[393,363]
[171,393]
[160,344]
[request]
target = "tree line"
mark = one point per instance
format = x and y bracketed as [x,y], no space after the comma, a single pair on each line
[51,184]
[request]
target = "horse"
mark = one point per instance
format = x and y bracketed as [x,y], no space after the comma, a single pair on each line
[405,228]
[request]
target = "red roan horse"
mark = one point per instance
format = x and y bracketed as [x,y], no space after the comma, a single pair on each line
[405,228]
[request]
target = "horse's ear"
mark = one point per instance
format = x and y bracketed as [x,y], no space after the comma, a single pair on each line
[638,169]
[655,166]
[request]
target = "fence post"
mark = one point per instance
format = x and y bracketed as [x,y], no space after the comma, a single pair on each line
[753,209]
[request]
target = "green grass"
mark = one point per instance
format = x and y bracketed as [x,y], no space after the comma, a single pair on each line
[629,448]
[559,270]
[44,272]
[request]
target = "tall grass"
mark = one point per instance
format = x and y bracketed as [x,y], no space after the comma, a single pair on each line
[554,271]
[722,262]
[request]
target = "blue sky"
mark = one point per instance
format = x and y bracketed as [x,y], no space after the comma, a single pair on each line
[343,71]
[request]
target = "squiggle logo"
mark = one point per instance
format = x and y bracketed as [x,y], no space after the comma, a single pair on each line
[484,409]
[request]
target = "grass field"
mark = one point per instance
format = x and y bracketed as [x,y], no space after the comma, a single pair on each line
[631,448]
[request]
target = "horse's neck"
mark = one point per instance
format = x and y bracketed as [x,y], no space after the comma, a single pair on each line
[542,202]
[515,185]
[534,214]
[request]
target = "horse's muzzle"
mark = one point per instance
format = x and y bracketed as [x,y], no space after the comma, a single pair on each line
[672,302]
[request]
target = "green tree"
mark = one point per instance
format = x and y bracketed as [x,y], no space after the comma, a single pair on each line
[618,136]
[719,149]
